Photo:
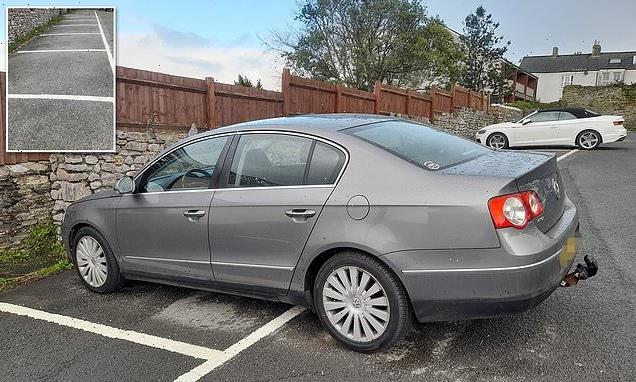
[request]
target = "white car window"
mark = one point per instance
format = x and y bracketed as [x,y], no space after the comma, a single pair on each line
[564,116]
[544,116]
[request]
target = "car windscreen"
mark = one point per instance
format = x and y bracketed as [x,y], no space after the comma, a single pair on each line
[419,144]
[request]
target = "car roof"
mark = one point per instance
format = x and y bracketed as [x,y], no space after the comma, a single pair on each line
[334,122]
[579,112]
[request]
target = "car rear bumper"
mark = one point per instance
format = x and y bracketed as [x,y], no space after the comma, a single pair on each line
[617,136]
[466,292]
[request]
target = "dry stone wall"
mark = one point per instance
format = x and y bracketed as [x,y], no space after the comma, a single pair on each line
[466,122]
[74,176]
[613,100]
[23,20]
[24,200]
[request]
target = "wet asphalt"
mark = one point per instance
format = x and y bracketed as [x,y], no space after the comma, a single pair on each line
[66,124]
[583,333]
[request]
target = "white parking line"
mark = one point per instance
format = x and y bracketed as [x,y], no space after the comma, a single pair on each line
[110,332]
[265,330]
[213,357]
[60,50]
[110,56]
[67,33]
[62,96]
[567,154]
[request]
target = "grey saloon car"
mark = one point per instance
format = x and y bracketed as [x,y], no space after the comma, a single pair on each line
[368,220]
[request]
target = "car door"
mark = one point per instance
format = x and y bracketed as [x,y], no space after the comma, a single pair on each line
[274,186]
[538,129]
[568,128]
[162,228]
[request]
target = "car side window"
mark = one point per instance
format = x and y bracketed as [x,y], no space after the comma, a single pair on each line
[326,163]
[268,160]
[565,115]
[187,168]
[544,116]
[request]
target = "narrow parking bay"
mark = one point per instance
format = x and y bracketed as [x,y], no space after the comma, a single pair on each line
[583,333]
[61,87]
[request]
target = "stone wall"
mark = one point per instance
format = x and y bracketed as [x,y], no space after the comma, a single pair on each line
[466,122]
[613,100]
[23,20]
[74,176]
[24,200]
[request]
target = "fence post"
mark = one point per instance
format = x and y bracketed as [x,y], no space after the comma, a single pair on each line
[285,90]
[210,111]
[339,105]
[452,100]
[433,95]
[408,102]
[377,90]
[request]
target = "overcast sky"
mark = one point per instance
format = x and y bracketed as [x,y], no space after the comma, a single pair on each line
[222,38]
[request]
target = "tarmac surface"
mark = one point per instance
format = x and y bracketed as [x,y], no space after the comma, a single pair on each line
[60,87]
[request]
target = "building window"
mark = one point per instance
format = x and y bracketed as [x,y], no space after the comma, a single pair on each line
[607,78]
[566,80]
[615,61]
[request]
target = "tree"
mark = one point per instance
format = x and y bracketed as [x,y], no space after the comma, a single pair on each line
[484,52]
[356,42]
[245,81]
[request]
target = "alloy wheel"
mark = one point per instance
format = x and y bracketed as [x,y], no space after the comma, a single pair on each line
[588,140]
[91,261]
[356,304]
[497,141]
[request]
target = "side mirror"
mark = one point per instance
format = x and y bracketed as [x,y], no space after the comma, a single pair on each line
[125,185]
[525,122]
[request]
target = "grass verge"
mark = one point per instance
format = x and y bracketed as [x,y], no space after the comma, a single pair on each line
[35,32]
[41,256]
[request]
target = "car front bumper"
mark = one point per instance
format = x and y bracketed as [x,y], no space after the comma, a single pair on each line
[465,290]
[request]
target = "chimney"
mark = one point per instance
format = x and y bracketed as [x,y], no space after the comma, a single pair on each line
[555,51]
[596,49]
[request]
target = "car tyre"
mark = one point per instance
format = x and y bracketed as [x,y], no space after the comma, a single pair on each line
[366,325]
[497,141]
[95,262]
[588,140]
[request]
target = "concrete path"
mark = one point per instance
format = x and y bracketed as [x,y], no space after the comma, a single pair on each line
[61,87]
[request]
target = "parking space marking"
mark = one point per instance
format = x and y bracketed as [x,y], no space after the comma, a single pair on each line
[213,357]
[60,50]
[190,350]
[567,154]
[62,96]
[265,330]
[110,56]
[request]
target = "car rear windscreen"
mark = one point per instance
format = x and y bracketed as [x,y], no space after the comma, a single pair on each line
[419,144]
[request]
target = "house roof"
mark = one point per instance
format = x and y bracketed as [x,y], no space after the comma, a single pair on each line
[578,62]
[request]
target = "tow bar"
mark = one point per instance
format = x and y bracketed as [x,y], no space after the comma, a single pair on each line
[581,272]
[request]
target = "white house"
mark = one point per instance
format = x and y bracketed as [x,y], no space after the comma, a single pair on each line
[590,69]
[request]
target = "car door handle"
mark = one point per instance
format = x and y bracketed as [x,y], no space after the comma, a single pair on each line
[300,213]
[194,215]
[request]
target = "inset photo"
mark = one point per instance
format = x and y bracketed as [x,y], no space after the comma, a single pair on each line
[60,87]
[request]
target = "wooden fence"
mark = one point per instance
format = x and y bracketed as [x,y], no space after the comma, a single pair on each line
[173,102]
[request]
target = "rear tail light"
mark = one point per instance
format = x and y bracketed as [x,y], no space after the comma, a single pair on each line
[515,210]
[618,123]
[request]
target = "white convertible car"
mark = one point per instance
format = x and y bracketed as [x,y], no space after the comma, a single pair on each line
[561,127]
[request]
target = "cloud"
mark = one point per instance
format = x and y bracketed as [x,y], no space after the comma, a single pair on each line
[186,54]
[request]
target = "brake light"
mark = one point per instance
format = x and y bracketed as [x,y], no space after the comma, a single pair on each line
[515,210]
[618,123]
